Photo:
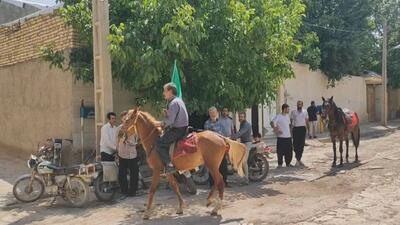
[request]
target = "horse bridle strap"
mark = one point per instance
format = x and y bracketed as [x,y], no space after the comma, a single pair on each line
[148,136]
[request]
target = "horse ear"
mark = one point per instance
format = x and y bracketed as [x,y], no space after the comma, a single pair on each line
[323,99]
[331,98]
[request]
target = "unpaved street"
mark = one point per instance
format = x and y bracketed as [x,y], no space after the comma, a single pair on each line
[364,193]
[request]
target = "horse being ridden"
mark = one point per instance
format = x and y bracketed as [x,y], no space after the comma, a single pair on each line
[210,150]
[340,126]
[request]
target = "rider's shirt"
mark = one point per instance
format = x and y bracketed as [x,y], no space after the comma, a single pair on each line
[177,115]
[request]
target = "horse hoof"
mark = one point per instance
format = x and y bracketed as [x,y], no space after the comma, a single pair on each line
[333,165]
[146,217]
[341,165]
[214,213]
[179,212]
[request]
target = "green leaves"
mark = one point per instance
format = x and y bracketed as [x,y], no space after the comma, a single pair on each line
[231,53]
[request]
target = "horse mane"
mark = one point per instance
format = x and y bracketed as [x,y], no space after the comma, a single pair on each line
[338,113]
[150,119]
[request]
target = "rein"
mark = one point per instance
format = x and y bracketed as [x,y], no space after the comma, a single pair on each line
[148,136]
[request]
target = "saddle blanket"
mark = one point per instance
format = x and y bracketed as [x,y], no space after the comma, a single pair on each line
[188,145]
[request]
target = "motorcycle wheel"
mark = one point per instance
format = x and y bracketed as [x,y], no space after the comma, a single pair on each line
[24,193]
[77,191]
[104,191]
[258,168]
[201,176]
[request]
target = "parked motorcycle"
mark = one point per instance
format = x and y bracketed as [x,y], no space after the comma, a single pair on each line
[106,183]
[257,162]
[71,183]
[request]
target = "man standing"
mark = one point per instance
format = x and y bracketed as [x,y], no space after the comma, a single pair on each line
[214,124]
[176,121]
[227,123]
[281,126]
[245,137]
[299,120]
[128,162]
[108,140]
[312,120]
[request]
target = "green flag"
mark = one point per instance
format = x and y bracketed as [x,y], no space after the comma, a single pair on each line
[176,80]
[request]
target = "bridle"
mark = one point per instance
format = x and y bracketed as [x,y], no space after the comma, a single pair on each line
[148,136]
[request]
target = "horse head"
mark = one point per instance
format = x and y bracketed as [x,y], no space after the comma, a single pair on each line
[328,106]
[129,123]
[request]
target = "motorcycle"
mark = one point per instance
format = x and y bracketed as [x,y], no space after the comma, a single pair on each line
[47,176]
[106,184]
[257,162]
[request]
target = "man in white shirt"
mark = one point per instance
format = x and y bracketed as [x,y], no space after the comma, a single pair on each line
[108,140]
[281,126]
[299,118]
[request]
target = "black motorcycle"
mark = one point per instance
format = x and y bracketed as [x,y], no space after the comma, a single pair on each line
[257,162]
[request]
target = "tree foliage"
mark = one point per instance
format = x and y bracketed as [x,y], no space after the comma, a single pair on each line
[230,52]
[345,35]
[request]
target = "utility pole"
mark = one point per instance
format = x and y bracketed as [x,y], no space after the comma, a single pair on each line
[103,94]
[384,75]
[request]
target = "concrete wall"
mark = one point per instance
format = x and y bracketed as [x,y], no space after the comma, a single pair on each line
[308,85]
[35,104]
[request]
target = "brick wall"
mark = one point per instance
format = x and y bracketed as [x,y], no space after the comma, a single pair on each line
[21,42]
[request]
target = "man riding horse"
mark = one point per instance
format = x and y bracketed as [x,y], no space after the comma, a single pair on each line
[175,123]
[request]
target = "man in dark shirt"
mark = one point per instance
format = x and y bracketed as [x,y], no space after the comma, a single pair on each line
[312,119]
[246,138]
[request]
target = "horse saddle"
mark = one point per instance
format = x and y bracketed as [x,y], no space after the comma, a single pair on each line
[185,146]
[350,118]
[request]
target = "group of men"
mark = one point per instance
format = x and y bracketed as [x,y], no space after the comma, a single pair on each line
[224,126]
[111,146]
[291,130]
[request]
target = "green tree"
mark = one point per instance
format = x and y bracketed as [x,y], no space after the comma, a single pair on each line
[230,52]
[345,35]
[388,10]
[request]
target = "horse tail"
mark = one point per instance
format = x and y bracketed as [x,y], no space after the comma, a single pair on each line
[236,154]
[355,136]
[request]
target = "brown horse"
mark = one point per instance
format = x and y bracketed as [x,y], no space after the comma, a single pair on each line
[210,151]
[340,126]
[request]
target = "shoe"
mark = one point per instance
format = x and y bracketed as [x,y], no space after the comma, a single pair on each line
[123,197]
[315,137]
[228,185]
[301,163]
[279,166]
[290,165]
[310,137]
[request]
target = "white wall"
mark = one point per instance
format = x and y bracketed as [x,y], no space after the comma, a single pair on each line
[308,85]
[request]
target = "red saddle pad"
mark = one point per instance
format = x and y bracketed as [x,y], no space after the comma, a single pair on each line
[188,145]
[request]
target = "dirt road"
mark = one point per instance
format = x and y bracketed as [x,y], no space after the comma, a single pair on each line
[358,193]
